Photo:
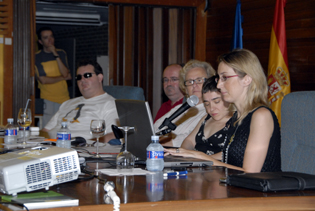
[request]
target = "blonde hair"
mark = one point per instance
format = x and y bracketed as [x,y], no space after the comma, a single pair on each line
[190,65]
[245,62]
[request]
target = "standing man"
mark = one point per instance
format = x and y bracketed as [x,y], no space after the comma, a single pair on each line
[171,90]
[51,72]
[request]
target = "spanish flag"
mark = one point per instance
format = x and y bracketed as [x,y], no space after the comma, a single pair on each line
[278,72]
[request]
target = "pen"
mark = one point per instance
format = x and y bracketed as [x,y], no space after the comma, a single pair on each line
[183,176]
[175,173]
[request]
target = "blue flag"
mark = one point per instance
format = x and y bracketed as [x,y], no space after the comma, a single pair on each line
[237,41]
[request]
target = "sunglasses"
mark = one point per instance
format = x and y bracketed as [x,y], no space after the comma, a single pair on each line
[85,75]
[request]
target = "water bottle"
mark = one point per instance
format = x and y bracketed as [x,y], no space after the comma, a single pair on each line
[10,136]
[155,155]
[155,186]
[21,132]
[64,136]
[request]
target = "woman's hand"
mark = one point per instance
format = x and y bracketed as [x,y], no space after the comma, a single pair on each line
[179,152]
[189,153]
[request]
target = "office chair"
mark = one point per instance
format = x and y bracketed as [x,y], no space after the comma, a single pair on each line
[298,132]
[125,92]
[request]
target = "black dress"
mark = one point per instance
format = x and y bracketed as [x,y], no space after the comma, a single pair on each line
[233,153]
[214,143]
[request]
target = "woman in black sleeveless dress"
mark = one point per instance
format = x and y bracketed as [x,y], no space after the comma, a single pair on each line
[253,144]
[212,130]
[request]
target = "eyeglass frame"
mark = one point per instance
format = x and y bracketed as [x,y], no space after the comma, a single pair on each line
[85,75]
[226,77]
[194,81]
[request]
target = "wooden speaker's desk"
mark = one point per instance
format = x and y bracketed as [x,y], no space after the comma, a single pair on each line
[201,190]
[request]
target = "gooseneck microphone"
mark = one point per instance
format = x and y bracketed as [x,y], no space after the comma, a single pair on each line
[190,102]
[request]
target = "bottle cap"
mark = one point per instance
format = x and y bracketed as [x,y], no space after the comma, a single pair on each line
[10,119]
[63,124]
[155,138]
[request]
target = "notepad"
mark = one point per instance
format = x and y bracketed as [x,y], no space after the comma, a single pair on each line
[38,200]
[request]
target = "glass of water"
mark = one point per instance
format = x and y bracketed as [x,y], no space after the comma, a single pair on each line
[97,129]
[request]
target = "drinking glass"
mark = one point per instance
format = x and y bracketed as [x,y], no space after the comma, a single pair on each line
[125,160]
[97,129]
[24,120]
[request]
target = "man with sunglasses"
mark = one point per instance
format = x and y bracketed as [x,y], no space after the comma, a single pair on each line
[52,71]
[171,89]
[94,103]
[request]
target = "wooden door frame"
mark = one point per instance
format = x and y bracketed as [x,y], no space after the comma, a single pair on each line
[200,30]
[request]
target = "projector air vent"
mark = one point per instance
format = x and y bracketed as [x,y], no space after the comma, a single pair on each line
[64,164]
[66,177]
[38,172]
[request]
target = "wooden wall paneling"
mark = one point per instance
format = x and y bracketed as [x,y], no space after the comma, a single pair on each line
[22,55]
[258,18]
[182,3]
[135,49]
[128,45]
[120,47]
[173,35]
[6,29]
[187,35]
[300,28]
[157,62]
[165,37]
[141,47]
[149,56]
[32,55]
[180,35]
[112,43]
[201,33]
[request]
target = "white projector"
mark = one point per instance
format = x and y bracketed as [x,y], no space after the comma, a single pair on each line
[36,168]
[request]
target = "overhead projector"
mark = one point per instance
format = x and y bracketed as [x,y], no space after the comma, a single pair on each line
[37,168]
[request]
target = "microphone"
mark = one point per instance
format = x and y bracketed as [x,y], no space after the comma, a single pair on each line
[163,132]
[190,102]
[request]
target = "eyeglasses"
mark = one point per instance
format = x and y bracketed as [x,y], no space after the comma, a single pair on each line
[224,78]
[197,81]
[172,80]
[85,75]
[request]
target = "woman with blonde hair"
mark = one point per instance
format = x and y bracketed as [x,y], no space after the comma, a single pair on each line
[254,140]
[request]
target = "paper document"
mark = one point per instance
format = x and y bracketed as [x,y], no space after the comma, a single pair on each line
[118,172]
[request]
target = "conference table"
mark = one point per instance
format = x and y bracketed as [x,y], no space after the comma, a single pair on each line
[199,190]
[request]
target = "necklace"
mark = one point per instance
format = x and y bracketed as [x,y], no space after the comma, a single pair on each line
[228,146]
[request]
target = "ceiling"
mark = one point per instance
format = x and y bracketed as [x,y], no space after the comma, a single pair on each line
[61,13]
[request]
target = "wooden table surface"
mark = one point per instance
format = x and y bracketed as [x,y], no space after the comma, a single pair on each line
[201,190]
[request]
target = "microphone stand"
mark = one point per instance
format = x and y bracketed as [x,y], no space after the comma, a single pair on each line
[170,127]
[168,123]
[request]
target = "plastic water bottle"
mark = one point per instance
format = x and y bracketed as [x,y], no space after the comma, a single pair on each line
[10,136]
[21,132]
[155,186]
[64,136]
[155,155]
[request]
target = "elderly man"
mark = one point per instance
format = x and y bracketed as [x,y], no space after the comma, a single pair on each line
[94,103]
[171,90]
